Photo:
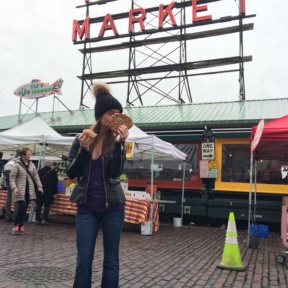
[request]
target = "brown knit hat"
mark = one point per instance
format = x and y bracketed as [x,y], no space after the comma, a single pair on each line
[104,100]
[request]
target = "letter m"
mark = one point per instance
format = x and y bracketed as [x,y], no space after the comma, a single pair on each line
[80,31]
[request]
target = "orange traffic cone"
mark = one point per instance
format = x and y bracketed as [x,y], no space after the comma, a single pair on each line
[231,258]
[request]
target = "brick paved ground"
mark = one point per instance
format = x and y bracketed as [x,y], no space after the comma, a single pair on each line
[172,257]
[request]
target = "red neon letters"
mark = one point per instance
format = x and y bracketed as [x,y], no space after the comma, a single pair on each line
[138,16]
[140,19]
[163,15]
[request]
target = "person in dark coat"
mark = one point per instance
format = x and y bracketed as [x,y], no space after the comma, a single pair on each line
[49,180]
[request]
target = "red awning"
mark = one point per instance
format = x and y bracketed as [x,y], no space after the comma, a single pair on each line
[273,144]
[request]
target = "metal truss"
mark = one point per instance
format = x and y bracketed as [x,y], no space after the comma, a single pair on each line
[158,69]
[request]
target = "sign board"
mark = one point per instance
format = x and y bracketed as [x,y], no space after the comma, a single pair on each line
[138,18]
[208,169]
[38,89]
[208,152]
[257,135]
[129,149]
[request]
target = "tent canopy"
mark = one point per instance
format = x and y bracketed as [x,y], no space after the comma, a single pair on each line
[35,134]
[273,144]
[36,131]
[145,143]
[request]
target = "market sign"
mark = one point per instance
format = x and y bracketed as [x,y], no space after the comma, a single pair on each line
[38,89]
[138,16]
[208,152]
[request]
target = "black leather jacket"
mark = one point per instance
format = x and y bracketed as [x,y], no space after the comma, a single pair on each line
[79,167]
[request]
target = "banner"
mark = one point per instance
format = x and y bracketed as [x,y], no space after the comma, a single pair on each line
[129,149]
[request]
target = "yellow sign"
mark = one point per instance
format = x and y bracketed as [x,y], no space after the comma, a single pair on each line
[212,164]
[129,149]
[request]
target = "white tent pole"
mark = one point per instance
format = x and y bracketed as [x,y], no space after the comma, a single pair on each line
[44,155]
[255,190]
[39,158]
[183,184]
[250,197]
[151,189]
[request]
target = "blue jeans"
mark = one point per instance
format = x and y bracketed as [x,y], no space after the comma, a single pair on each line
[87,227]
[21,213]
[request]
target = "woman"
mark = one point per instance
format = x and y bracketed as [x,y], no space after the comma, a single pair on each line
[23,180]
[98,163]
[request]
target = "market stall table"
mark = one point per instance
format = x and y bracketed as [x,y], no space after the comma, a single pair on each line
[136,211]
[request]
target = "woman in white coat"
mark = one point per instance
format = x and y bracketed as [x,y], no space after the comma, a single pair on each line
[24,180]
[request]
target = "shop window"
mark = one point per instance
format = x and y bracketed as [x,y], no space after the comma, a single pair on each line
[235,163]
[165,169]
[272,172]
[236,166]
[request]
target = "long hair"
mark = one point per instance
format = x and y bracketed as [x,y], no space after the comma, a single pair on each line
[109,139]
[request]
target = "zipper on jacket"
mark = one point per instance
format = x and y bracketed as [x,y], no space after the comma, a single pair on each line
[106,204]
[121,157]
[88,181]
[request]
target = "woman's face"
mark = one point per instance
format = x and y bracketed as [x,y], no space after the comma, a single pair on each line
[105,120]
[27,156]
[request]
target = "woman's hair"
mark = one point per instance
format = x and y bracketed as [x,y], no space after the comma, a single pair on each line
[108,142]
[24,150]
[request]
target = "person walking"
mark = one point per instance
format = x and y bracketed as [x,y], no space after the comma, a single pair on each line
[98,163]
[7,169]
[49,180]
[24,180]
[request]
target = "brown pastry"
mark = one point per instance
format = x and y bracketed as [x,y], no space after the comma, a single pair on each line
[89,133]
[119,119]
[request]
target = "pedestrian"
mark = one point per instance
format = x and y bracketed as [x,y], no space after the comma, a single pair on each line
[24,180]
[98,163]
[7,169]
[49,180]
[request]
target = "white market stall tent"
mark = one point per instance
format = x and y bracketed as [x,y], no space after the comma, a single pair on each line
[36,131]
[39,136]
[152,148]
[144,144]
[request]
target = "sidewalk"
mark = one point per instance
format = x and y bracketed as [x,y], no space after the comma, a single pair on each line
[172,257]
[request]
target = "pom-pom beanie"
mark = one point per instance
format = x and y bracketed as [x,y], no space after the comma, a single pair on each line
[104,100]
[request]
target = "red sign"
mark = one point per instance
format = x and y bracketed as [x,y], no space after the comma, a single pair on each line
[138,16]
[258,135]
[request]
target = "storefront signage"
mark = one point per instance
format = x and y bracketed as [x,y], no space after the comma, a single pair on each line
[38,89]
[208,151]
[60,167]
[138,16]
[208,169]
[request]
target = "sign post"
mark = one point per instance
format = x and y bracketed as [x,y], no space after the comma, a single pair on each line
[254,143]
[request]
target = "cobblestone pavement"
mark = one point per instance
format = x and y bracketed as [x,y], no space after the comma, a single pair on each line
[172,257]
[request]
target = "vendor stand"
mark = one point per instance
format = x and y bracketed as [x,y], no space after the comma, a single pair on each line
[137,211]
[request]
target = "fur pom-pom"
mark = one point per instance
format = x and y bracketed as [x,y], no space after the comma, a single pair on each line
[99,88]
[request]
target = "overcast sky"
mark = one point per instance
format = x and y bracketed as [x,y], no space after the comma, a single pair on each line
[36,42]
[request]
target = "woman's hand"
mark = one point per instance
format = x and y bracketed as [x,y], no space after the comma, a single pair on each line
[15,191]
[40,190]
[122,132]
[85,141]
